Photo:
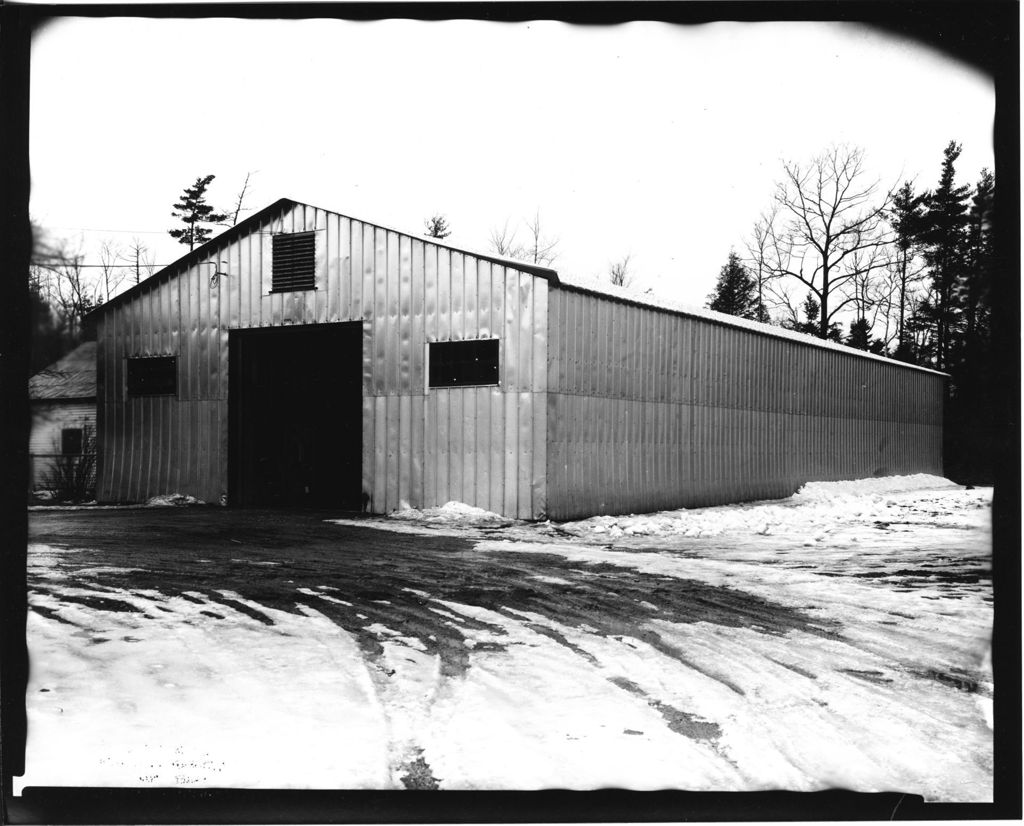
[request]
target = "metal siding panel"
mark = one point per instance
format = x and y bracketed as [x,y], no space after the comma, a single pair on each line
[444,447]
[404,460]
[571,332]
[340,305]
[380,313]
[484,438]
[539,345]
[524,458]
[380,447]
[391,287]
[444,301]
[510,481]
[392,448]
[497,300]
[496,449]
[483,298]
[430,453]
[471,318]
[354,271]
[430,293]
[458,324]
[417,378]
[524,360]
[510,372]
[468,457]
[403,384]
[369,274]
[334,283]
[416,453]
[456,445]
[554,340]
[245,280]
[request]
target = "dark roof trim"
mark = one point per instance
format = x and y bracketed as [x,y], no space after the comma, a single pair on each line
[280,205]
[761,330]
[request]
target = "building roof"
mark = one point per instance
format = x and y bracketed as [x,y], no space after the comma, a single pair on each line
[71,377]
[625,295]
[204,252]
[603,290]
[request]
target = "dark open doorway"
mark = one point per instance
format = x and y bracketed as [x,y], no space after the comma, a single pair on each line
[295,410]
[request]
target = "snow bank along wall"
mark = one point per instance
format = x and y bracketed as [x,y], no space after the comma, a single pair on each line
[651,409]
[594,405]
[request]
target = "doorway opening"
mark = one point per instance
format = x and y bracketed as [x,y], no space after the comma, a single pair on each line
[295,413]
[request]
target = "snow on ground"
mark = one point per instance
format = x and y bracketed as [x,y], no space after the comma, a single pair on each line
[839,638]
[811,511]
[173,500]
[163,696]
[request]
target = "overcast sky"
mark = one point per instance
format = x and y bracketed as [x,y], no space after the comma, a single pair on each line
[656,140]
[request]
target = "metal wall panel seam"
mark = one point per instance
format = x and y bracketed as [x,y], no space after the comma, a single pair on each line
[444,445]
[405,451]
[468,454]
[404,313]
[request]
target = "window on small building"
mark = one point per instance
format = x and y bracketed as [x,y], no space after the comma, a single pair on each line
[71,441]
[153,376]
[294,266]
[463,363]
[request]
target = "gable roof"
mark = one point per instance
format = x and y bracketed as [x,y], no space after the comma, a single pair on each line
[606,291]
[625,295]
[203,252]
[71,377]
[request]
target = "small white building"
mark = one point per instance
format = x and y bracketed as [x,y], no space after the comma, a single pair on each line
[63,406]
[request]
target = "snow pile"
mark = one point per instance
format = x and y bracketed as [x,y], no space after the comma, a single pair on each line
[451,513]
[838,491]
[173,500]
[817,508]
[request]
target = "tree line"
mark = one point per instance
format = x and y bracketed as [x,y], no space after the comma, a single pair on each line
[911,272]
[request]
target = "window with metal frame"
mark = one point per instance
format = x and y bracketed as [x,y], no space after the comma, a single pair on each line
[294,262]
[71,441]
[152,376]
[463,363]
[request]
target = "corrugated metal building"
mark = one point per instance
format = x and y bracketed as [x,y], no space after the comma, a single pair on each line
[304,356]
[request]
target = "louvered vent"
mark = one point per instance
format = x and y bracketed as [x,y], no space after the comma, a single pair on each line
[294,265]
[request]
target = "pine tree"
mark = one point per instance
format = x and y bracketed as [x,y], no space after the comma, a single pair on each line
[812,320]
[193,211]
[976,289]
[906,219]
[437,226]
[944,237]
[735,292]
[859,336]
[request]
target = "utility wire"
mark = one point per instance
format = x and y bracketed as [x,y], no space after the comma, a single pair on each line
[132,231]
[72,265]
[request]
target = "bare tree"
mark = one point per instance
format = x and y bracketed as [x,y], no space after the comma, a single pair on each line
[111,273]
[67,287]
[504,243]
[829,220]
[758,248]
[541,248]
[138,260]
[619,273]
[538,249]
[238,208]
